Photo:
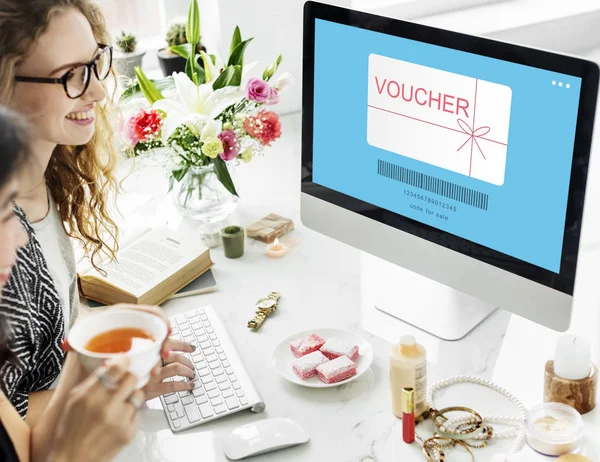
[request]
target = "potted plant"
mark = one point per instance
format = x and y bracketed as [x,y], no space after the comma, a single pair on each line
[173,57]
[126,58]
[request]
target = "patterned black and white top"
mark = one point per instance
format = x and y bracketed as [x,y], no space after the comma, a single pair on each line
[31,304]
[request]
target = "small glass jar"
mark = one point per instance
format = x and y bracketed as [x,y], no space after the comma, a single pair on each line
[554,429]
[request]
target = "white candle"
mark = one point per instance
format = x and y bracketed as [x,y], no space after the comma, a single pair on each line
[572,357]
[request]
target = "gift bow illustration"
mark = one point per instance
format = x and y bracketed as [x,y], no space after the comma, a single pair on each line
[479,132]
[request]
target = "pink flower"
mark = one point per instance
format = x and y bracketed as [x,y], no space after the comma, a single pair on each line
[231,145]
[273,97]
[265,127]
[258,90]
[144,125]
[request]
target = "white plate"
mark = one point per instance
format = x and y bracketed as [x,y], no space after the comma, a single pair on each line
[283,356]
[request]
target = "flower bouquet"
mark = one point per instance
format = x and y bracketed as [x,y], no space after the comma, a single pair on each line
[205,121]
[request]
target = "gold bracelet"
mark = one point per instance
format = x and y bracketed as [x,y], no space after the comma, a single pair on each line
[477,428]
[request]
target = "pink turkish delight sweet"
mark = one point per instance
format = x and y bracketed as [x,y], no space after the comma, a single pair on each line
[303,346]
[334,348]
[306,366]
[336,370]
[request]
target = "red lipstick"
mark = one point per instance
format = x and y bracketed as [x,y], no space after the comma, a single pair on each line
[408,415]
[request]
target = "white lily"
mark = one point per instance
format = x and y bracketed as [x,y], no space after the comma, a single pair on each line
[194,103]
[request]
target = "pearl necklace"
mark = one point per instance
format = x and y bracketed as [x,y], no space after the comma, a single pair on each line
[517,422]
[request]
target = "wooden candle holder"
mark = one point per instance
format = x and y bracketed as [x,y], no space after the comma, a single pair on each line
[579,394]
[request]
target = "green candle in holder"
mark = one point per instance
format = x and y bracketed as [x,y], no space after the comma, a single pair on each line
[233,241]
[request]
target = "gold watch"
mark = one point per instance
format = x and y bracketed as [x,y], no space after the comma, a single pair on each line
[264,307]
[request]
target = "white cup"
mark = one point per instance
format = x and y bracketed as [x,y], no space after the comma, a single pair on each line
[141,361]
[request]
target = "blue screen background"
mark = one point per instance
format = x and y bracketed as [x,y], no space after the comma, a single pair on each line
[526,215]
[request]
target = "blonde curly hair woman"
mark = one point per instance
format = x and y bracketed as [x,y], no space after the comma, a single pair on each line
[55,59]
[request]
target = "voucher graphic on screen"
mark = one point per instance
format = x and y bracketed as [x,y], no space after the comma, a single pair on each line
[444,119]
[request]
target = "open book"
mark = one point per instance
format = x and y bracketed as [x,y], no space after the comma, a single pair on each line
[149,270]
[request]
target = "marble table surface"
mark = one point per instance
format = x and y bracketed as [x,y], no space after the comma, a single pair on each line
[320,285]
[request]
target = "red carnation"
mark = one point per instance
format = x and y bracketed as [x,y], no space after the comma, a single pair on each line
[144,125]
[265,127]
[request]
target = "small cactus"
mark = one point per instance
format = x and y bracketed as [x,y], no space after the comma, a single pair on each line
[126,42]
[176,36]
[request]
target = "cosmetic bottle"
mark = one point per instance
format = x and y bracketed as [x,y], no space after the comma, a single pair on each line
[408,369]
[408,415]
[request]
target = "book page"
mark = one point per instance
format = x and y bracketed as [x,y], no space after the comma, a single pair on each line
[150,260]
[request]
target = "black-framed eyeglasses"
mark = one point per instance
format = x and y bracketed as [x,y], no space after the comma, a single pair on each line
[77,79]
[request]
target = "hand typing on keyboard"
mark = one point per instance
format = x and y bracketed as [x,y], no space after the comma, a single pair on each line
[221,385]
[175,365]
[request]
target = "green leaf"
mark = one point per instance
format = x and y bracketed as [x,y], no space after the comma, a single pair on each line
[223,175]
[182,50]
[272,68]
[236,80]
[161,85]
[171,183]
[192,31]
[150,91]
[237,56]
[224,79]
[179,173]
[235,40]
[190,70]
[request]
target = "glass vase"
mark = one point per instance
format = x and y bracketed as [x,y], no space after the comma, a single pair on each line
[201,196]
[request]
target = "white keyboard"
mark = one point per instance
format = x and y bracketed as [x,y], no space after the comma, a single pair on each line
[222,384]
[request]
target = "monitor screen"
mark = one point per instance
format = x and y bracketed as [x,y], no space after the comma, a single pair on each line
[476,147]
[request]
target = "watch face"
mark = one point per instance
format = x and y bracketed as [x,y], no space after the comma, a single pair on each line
[266,303]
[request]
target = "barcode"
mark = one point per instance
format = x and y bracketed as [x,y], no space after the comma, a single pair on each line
[433,185]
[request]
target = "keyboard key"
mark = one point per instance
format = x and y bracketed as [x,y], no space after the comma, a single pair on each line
[173,415]
[213,337]
[203,372]
[206,380]
[179,410]
[223,357]
[213,394]
[224,386]
[216,343]
[185,332]
[220,409]
[240,393]
[214,365]
[216,401]
[219,350]
[236,386]
[199,361]
[176,424]
[198,392]
[203,338]
[205,345]
[210,330]
[244,401]
[197,352]
[221,379]
[211,386]
[206,410]
[183,394]
[189,339]
[187,400]
[202,399]
[227,393]
[232,403]
[229,371]
[218,372]
[211,358]
[233,378]
[180,319]
[170,407]
[200,311]
[206,323]
[171,399]
[192,412]
[204,317]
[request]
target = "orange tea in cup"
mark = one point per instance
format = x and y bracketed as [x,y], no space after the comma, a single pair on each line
[120,340]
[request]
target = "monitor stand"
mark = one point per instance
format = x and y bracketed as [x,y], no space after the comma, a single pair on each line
[425,304]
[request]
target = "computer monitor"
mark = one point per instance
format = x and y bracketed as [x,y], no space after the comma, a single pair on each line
[459,158]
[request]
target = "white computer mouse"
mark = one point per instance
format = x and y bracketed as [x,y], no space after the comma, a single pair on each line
[263,436]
